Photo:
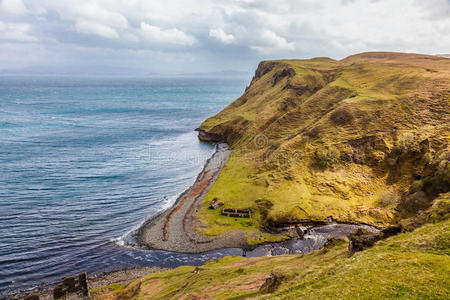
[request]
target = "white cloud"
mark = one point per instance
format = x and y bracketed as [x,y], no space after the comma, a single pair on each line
[18,32]
[154,34]
[15,7]
[95,13]
[89,27]
[220,35]
[250,30]
[272,41]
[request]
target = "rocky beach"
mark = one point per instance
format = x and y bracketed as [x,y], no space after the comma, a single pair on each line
[174,229]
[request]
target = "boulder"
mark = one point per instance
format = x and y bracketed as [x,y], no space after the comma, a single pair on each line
[82,283]
[69,284]
[58,292]
[271,283]
[362,239]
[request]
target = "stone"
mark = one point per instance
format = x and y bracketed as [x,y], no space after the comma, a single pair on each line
[301,231]
[58,292]
[82,283]
[69,284]
[329,219]
[271,283]
[363,239]
[391,230]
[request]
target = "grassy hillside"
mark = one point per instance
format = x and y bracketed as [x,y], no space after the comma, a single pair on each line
[364,139]
[413,265]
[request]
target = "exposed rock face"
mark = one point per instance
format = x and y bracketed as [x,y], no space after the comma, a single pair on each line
[209,136]
[287,72]
[271,283]
[264,67]
[72,284]
[363,239]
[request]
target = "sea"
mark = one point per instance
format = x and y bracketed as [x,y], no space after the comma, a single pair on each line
[85,161]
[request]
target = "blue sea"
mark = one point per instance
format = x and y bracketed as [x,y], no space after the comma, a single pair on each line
[85,161]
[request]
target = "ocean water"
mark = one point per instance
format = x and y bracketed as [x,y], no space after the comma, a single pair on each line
[84,161]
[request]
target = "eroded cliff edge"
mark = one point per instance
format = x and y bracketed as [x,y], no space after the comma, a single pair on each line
[364,139]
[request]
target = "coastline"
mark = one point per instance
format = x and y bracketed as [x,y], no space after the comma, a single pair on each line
[174,229]
[120,276]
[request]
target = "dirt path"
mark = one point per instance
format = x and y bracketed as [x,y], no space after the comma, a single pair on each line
[173,230]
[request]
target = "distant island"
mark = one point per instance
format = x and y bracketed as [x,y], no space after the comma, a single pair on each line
[224,73]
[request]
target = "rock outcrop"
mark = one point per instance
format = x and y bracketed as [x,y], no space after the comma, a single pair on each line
[363,239]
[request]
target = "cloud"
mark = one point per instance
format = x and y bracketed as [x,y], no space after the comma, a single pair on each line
[92,11]
[15,7]
[221,36]
[16,32]
[154,34]
[88,27]
[210,35]
[272,42]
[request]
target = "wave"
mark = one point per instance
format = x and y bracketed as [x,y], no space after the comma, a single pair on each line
[128,239]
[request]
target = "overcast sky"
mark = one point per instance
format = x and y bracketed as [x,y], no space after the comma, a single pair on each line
[168,36]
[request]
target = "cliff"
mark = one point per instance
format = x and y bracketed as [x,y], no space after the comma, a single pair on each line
[363,139]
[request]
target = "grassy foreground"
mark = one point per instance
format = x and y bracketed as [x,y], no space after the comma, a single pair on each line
[365,139]
[413,265]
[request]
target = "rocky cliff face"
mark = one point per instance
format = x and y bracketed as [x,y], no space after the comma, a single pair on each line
[210,137]
[364,139]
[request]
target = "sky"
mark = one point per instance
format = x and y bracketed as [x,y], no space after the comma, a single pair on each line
[189,36]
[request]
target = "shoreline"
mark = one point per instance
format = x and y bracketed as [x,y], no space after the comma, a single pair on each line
[119,276]
[174,228]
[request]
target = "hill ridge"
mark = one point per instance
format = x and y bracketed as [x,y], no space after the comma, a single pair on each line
[352,138]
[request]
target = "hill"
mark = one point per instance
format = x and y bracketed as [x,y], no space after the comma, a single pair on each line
[364,139]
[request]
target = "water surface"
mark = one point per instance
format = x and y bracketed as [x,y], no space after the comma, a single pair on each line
[84,161]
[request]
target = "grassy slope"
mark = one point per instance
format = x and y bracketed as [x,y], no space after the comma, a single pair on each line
[359,170]
[335,138]
[413,265]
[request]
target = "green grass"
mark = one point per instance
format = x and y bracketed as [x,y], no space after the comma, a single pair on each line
[332,172]
[370,177]
[413,265]
[391,98]
[232,181]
